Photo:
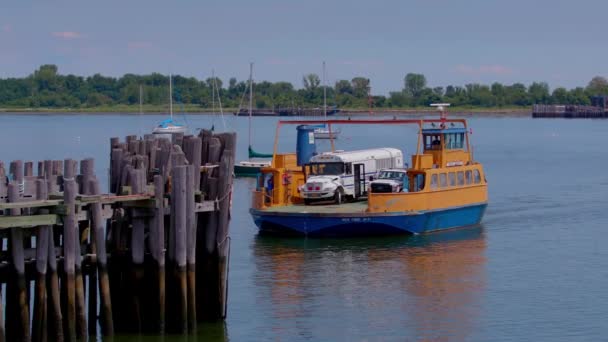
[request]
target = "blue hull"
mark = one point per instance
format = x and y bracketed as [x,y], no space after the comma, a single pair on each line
[357,224]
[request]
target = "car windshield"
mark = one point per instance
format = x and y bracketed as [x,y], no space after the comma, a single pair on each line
[391,175]
[321,169]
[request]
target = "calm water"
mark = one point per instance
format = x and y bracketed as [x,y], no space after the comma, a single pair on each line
[537,269]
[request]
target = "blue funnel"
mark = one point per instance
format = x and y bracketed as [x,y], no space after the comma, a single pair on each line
[305,146]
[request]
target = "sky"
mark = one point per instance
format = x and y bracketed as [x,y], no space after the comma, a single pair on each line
[563,43]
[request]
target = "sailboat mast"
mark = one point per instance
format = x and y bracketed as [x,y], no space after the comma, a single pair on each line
[324,94]
[250,98]
[141,92]
[213,92]
[171,97]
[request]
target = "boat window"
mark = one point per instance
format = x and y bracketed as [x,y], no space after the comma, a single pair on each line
[460,178]
[454,141]
[320,169]
[452,178]
[432,142]
[419,182]
[443,180]
[477,176]
[433,182]
[468,176]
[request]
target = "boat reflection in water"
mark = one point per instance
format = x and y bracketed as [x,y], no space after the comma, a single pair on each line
[424,287]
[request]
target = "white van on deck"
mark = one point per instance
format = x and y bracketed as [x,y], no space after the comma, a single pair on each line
[340,175]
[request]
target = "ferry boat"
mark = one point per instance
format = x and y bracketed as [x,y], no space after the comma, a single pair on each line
[447,188]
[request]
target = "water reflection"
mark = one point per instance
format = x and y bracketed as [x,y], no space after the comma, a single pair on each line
[420,287]
[206,332]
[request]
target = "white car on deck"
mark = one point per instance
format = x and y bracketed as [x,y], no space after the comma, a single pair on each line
[390,180]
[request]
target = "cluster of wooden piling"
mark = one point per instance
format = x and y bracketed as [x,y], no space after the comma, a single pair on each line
[168,210]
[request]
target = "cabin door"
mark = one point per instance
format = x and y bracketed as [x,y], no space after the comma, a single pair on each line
[359,180]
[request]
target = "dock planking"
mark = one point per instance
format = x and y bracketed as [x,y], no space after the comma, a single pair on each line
[168,211]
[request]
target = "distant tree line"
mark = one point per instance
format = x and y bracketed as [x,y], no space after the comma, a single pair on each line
[47,88]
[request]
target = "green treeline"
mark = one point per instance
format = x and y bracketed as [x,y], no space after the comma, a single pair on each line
[47,88]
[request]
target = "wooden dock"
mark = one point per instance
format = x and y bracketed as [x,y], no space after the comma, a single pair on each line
[154,250]
[568,111]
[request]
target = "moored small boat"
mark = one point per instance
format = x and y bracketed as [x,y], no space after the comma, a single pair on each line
[256,161]
[446,188]
[169,126]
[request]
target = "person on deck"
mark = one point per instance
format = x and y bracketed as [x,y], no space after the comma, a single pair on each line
[269,186]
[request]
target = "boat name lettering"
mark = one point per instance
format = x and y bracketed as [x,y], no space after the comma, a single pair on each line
[356,219]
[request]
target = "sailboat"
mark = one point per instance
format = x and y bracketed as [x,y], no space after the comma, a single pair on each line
[169,126]
[252,166]
[323,131]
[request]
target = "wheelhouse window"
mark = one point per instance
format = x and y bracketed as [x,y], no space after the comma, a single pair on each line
[432,142]
[454,141]
[325,169]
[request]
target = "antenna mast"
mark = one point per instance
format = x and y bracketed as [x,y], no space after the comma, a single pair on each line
[443,112]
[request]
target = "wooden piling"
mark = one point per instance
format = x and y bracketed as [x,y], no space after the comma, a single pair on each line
[157,251]
[191,223]
[39,321]
[55,315]
[69,259]
[137,182]
[19,327]
[28,169]
[125,267]
[98,224]
[178,251]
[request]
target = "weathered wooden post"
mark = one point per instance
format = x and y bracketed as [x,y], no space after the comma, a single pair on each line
[191,173]
[40,321]
[137,181]
[157,247]
[18,327]
[69,251]
[222,239]
[178,248]
[213,242]
[55,325]
[98,224]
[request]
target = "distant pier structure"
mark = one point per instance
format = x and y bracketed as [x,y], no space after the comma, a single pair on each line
[149,257]
[598,109]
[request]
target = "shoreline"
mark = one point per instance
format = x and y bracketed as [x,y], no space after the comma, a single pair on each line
[493,112]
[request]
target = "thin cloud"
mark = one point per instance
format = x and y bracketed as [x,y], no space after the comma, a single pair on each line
[139,45]
[67,35]
[362,63]
[484,70]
